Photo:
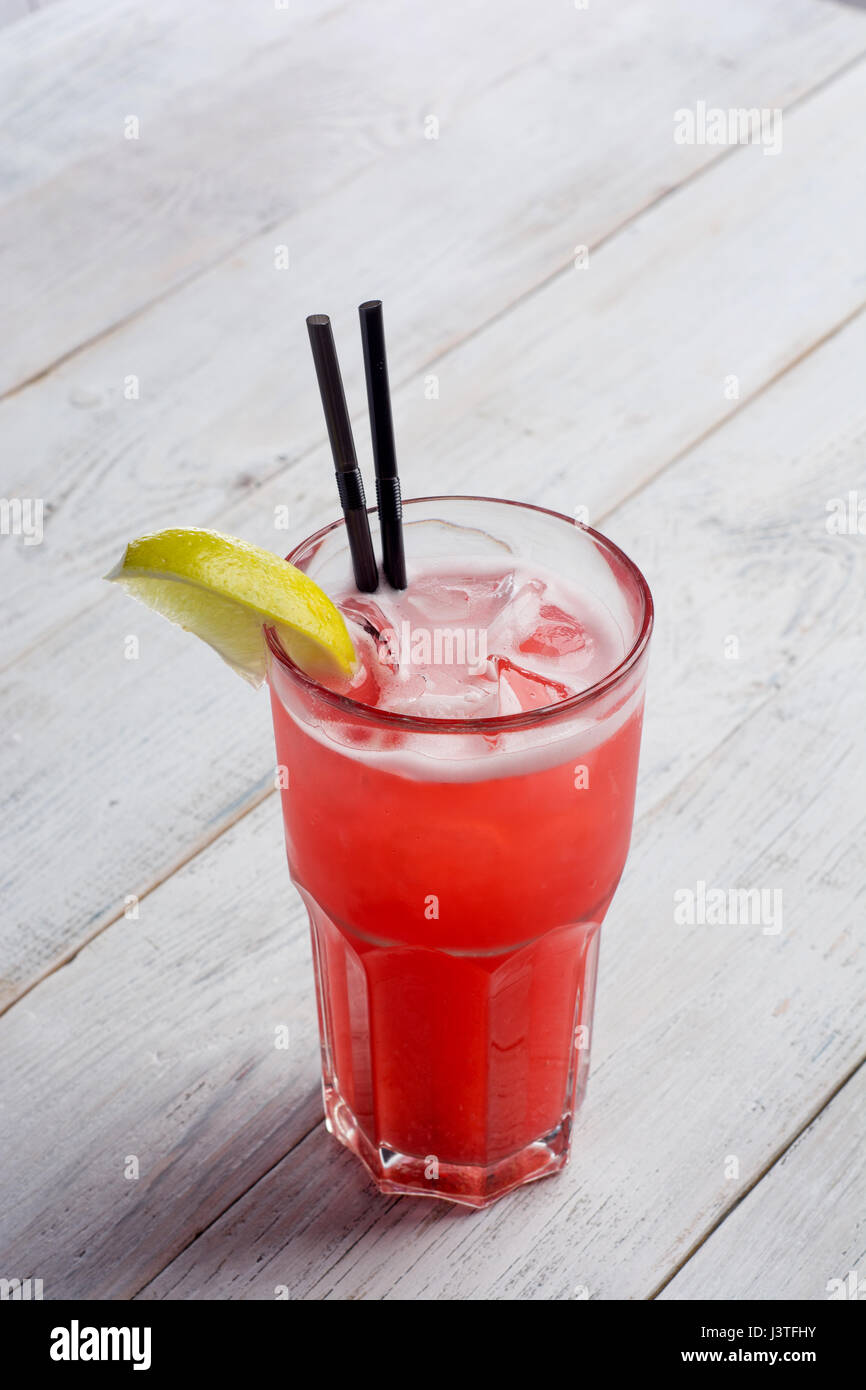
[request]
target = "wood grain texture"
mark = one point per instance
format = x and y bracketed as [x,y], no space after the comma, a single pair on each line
[450,232]
[74,71]
[160,1045]
[709,1040]
[809,1210]
[698,388]
[246,114]
[170,770]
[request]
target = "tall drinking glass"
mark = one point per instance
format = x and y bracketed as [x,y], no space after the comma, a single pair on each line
[456,872]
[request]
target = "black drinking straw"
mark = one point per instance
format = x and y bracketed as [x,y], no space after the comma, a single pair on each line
[384,453]
[350,484]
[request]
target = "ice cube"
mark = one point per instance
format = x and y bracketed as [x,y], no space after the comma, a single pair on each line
[520,689]
[365,686]
[435,599]
[517,617]
[556,634]
[471,702]
[405,694]
[364,612]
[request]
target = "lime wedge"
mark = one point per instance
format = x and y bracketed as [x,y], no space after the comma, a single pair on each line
[224,590]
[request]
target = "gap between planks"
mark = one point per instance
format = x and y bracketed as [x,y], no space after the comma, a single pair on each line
[712,1227]
[302,1139]
[759,1178]
[519,299]
[257,799]
[710,1231]
[481,327]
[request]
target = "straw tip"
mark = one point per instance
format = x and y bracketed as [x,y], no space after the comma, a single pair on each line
[317,320]
[369,306]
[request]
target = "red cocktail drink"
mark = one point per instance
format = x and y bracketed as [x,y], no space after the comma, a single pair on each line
[457,820]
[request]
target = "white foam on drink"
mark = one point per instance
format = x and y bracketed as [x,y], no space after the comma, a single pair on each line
[573,641]
[438,757]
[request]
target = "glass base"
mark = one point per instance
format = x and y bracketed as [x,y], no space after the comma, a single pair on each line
[469,1185]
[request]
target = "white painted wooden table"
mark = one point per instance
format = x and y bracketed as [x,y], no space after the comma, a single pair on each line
[694,378]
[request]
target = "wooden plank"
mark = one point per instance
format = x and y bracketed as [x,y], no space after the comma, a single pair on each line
[245,115]
[12,10]
[809,1210]
[159,1040]
[710,1042]
[180,749]
[701,1024]
[226,398]
[93,63]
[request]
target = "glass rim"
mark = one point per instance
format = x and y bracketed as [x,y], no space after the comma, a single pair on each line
[489,724]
